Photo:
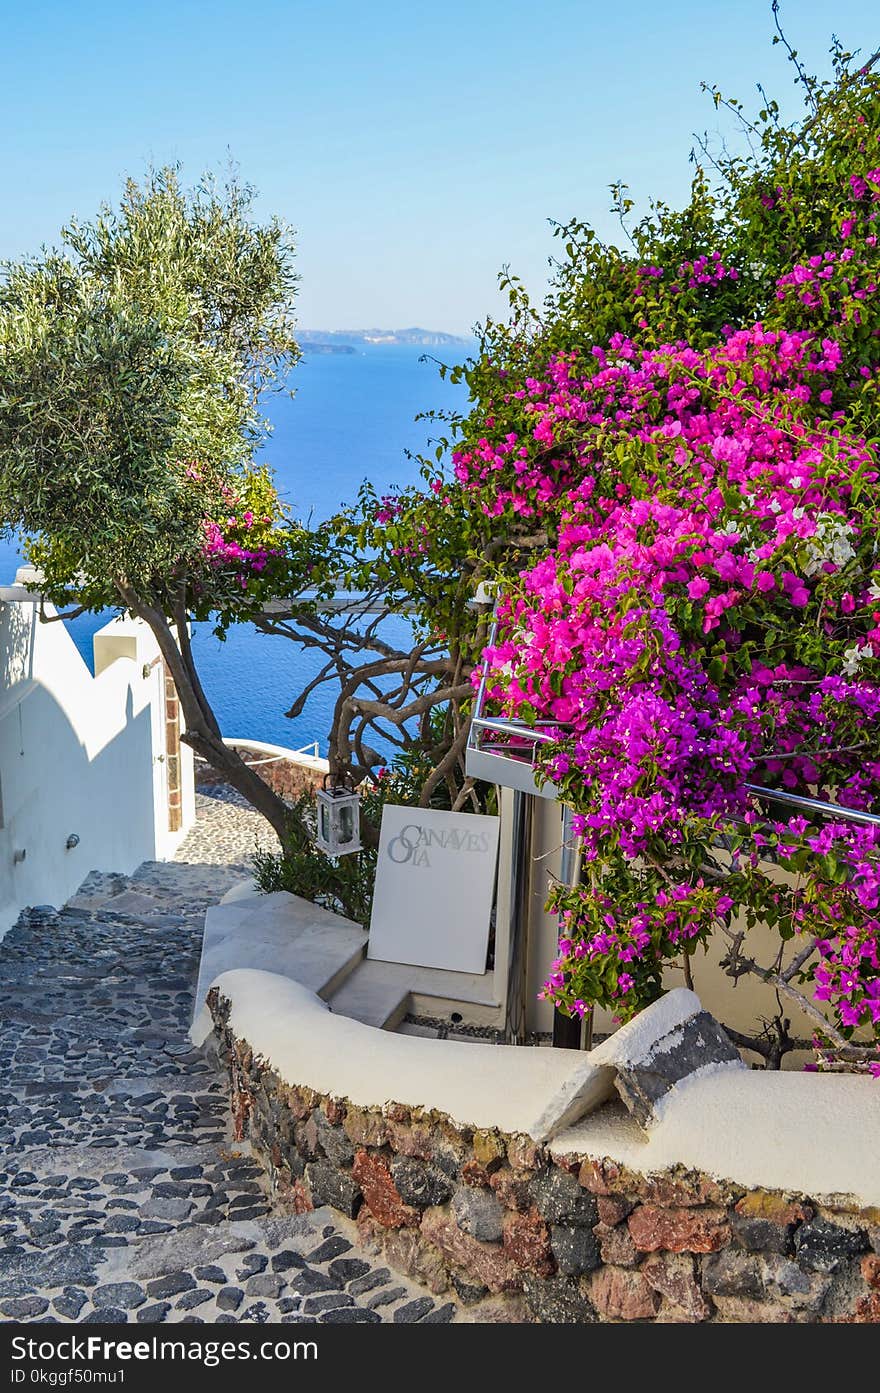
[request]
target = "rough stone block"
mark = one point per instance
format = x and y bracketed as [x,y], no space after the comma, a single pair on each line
[479,1213]
[678,1230]
[618,1294]
[613,1209]
[673,1276]
[472,1173]
[467,1291]
[486,1262]
[616,1245]
[558,1300]
[512,1187]
[678,1189]
[527,1242]
[823,1246]
[867,1311]
[419,1183]
[490,1149]
[649,1066]
[773,1208]
[333,1140]
[560,1199]
[576,1250]
[298,1102]
[380,1192]
[870,1269]
[365,1128]
[599,1177]
[732,1273]
[410,1252]
[791,1285]
[334,1110]
[524,1154]
[760,1236]
[327,1185]
[415,1140]
[305,1137]
[299,1198]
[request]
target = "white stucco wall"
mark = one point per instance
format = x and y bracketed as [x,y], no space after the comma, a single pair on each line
[78,755]
[743,1005]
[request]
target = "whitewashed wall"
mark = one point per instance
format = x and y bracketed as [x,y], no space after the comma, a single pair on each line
[78,755]
[744,1005]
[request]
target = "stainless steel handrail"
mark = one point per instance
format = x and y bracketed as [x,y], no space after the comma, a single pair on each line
[536,735]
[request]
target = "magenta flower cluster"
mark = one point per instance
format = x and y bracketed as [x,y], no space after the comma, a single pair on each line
[707,615]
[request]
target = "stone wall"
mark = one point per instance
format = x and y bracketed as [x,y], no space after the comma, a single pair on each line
[522,1235]
[288,777]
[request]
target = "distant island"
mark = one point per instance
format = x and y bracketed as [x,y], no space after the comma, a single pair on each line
[310,345]
[345,340]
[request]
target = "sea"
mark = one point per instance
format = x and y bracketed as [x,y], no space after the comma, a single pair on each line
[353,417]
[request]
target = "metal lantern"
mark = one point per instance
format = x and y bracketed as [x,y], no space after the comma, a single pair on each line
[339,822]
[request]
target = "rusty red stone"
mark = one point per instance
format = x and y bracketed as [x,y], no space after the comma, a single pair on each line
[870,1265]
[512,1187]
[678,1230]
[381,1193]
[616,1245]
[618,1294]
[526,1242]
[333,1110]
[486,1261]
[613,1209]
[867,1311]
[599,1177]
[673,1276]
[300,1198]
[472,1173]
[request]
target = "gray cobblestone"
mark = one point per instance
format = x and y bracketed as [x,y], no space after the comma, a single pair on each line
[122,1196]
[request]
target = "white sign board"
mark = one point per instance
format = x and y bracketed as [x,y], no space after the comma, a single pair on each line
[433,895]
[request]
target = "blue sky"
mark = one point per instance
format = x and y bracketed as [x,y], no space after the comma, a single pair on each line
[415,148]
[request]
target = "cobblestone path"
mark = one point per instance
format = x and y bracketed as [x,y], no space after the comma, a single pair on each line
[122,1197]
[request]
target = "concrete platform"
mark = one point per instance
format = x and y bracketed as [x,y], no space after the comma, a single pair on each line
[372,991]
[371,995]
[279,933]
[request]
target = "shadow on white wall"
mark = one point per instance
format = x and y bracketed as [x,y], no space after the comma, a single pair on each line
[82,767]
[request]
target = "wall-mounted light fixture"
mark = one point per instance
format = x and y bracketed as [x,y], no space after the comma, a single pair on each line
[18,857]
[72,841]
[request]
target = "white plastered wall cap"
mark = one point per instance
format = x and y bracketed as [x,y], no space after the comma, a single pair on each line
[635,1040]
[476,1085]
[540,1092]
[592,1084]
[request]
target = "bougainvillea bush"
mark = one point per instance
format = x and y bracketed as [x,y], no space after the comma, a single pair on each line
[672,472]
[708,618]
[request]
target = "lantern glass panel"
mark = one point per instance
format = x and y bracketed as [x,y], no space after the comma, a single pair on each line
[346,823]
[338,830]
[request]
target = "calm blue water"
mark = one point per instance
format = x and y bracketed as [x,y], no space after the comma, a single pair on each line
[352,418]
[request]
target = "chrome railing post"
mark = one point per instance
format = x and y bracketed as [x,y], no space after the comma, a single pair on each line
[568,1030]
[515,1023]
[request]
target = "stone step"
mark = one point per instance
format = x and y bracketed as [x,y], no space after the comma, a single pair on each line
[278,933]
[369,994]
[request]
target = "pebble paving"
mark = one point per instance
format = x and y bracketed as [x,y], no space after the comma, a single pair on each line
[122,1197]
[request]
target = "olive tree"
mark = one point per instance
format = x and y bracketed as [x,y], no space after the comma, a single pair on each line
[132,364]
